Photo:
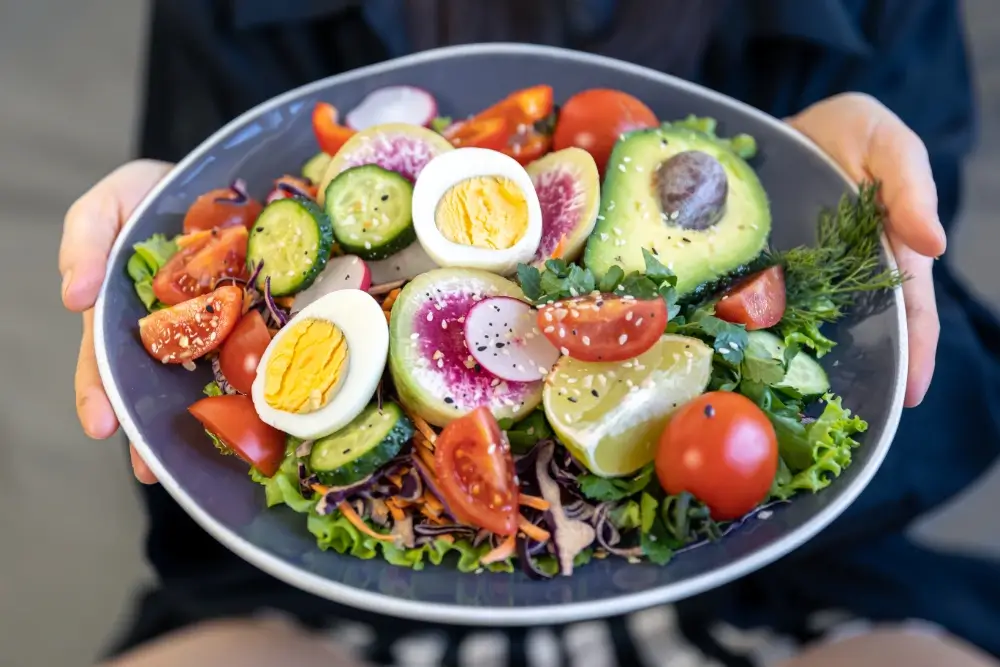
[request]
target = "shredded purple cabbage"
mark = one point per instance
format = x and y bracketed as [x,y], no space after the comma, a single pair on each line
[238,188]
[337,494]
[431,484]
[413,486]
[220,379]
[279,315]
[731,526]
[527,561]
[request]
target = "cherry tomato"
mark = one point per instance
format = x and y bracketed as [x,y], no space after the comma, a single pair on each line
[330,134]
[203,260]
[758,301]
[291,186]
[489,133]
[191,329]
[222,208]
[603,327]
[234,421]
[721,448]
[243,350]
[509,126]
[594,119]
[476,472]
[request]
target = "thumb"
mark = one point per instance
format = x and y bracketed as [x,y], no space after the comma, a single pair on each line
[92,224]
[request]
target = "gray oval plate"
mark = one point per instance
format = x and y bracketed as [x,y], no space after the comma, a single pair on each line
[867,368]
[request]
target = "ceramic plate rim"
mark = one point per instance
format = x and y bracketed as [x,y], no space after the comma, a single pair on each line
[496,616]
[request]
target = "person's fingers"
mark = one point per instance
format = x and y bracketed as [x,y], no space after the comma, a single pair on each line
[92,405]
[871,142]
[139,467]
[921,320]
[92,224]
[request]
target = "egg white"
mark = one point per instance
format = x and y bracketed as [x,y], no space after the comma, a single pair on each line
[366,332]
[449,169]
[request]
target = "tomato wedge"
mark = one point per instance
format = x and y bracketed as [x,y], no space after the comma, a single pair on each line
[475,472]
[757,301]
[222,208]
[291,186]
[203,260]
[234,421]
[603,327]
[721,448]
[243,350]
[594,119]
[509,126]
[192,329]
[330,134]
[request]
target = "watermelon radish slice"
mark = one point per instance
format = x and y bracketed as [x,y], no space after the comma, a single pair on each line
[398,147]
[569,191]
[393,104]
[344,272]
[406,264]
[434,374]
[502,335]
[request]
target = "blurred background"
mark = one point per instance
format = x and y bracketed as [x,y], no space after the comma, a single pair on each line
[70,526]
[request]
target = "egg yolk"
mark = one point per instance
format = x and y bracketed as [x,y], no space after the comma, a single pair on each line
[484,212]
[307,367]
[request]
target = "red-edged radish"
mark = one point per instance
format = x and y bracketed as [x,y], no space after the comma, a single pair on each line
[344,272]
[503,337]
[393,104]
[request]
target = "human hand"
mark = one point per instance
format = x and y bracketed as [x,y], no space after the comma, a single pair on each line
[91,226]
[870,142]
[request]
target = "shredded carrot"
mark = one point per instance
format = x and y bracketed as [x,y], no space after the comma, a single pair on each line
[390,299]
[424,428]
[447,538]
[284,301]
[432,503]
[388,315]
[272,332]
[396,479]
[533,531]
[192,238]
[534,502]
[360,524]
[320,489]
[560,248]
[504,551]
[433,518]
[397,513]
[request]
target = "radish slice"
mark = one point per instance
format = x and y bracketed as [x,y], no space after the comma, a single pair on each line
[394,104]
[406,264]
[502,335]
[344,272]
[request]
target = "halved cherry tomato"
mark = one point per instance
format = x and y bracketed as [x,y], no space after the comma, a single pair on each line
[489,133]
[191,329]
[222,208]
[243,350]
[291,186]
[594,119]
[721,448]
[234,421]
[509,126]
[330,134]
[758,301]
[203,260]
[603,327]
[475,473]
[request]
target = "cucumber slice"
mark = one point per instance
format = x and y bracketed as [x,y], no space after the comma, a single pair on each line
[315,167]
[370,208]
[293,238]
[366,444]
[804,376]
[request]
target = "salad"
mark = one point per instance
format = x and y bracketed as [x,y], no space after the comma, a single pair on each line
[527,338]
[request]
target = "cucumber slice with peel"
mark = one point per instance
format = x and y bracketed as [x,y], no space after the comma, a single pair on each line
[359,449]
[803,377]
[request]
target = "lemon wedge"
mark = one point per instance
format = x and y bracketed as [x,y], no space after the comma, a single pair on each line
[610,414]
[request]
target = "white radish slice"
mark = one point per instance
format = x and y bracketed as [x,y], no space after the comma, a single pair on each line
[503,337]
[393,104]
[344,272]
[406,264]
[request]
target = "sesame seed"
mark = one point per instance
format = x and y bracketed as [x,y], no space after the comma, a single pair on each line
[430,317]
[604,237]
[626,159]
[414,336]
[549,329]
[564,351]
[562,332]
[586,340]
[622,339]
[617,231]
[440,363]
[628,316]
[444,324]
[621,168]
[638,322]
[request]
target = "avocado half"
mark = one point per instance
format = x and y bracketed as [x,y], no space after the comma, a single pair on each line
[685,197]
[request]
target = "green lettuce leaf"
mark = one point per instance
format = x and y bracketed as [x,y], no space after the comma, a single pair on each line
[149,256]
[605,489]
[526,433]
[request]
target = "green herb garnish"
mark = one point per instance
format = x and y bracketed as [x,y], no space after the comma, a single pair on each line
[823,281]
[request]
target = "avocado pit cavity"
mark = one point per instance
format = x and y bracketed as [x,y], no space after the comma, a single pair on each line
[692,188]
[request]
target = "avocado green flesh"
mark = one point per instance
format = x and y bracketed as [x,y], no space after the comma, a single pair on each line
[632,219]
[366,444]
[434,374]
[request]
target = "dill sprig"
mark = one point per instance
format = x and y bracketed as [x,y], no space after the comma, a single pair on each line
[823,281]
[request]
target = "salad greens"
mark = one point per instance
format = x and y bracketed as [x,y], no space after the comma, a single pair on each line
[149,256]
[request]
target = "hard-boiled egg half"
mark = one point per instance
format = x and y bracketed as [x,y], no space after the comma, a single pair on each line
[322,368]
[476,208]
